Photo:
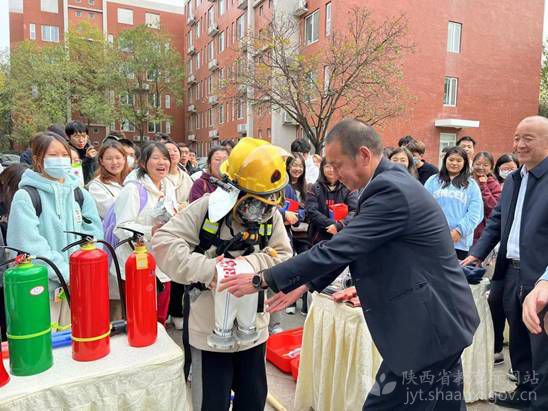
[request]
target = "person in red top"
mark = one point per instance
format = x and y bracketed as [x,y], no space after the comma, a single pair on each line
[482,170]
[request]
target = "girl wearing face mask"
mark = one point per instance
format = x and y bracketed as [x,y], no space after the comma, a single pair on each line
[505,165]
[482,167]
[459,197]
[45,235]
[112,171]
[146,202]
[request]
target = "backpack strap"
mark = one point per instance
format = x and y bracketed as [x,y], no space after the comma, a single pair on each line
[143,194]
[35,199]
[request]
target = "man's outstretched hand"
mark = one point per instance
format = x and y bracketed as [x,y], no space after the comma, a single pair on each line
[238,285]
[281,300]
[533,304]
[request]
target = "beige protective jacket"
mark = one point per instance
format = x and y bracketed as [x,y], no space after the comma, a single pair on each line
[173,246]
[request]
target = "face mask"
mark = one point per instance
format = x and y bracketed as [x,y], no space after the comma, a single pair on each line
[504,173]
[130,161]
[253,209]
[57,167]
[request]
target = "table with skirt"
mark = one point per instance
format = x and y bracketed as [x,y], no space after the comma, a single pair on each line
[339,360]
[148,378]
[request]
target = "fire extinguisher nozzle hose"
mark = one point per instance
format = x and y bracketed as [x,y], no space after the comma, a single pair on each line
[59,276]
[118,276]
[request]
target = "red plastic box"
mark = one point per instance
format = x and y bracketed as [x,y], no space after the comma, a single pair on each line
[283,347]
[339,210]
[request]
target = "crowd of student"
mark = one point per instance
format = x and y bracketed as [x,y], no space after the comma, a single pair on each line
[64,183]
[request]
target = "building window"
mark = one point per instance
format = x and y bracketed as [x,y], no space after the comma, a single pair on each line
[261,10]
[168,127]
[154,127]
[240,109]
[210,118]
[78,13]
[312,27]
[221,113]
[450,92]
[198,29]
[91,15]
[209,86]
[240,26]
[446,140]
[453,37]
[211,50]
[168,101]
[32,31]
[110,39]
[50,33]
[222,7]
[125,16]
[91,2]
[152,20]
[126,99]
[152,75]
[222,42]
[198,60]
[127,126]
[49,6]
[211,17]
[154,100]
[328,19]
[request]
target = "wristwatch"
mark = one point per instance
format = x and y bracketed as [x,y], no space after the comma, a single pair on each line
[258,281]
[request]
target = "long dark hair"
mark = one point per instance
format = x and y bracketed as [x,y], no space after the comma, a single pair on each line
[102,172]
[147,153]
[9,184]
[300,185]
[411,167]
[322,178]
[505,158]
[460,181]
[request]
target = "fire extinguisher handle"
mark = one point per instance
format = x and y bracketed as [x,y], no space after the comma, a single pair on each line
[59,276]
[127,240]
[118,276]
[8,262]
[82,241]
[19,252]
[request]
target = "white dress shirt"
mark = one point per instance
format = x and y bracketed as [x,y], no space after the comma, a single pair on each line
[512,247]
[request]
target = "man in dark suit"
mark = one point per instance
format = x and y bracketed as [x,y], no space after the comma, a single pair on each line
[520,224]
[415,298]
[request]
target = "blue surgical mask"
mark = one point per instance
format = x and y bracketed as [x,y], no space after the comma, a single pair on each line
[57,167]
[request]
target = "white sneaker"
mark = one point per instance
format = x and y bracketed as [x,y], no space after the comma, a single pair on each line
[499,358]
[177,322]
[275,329]
[290,310]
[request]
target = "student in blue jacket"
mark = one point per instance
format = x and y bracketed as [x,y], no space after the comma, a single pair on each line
[44,235]
[459,197]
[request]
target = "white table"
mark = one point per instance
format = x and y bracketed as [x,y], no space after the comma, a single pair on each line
[339,360]
[149,378]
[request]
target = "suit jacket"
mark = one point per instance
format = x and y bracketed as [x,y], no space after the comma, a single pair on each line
[533,237]
[414,295]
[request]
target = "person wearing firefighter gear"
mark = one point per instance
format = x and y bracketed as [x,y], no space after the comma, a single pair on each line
[235,227]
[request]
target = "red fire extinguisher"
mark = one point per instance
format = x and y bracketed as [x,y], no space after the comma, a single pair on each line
[140,289]
[90,314]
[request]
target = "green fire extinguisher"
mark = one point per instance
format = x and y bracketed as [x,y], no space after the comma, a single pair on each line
[28,319]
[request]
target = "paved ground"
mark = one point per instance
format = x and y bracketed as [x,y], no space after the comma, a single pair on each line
[282,386]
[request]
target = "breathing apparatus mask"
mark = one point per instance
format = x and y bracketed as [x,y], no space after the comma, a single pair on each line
[253,209]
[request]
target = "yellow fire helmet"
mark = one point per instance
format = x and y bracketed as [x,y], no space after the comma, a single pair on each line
[256,166]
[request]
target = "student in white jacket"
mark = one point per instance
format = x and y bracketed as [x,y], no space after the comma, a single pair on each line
[146,202]
[179,178]
[113,170]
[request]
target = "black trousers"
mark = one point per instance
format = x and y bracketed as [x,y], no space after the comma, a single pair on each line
[528,352]
[176,299]
[215,374]
[497,312]
[438,387]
